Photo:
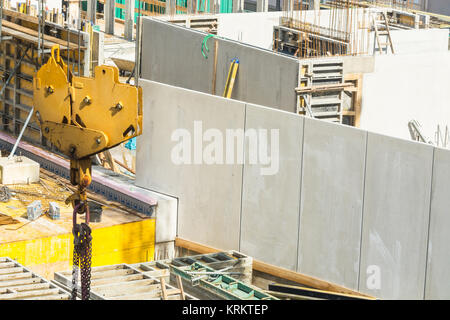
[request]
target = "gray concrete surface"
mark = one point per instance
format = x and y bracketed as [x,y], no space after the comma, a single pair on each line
[173,58]
[438,271]
[331,201]
[438,6]
[395,219]
[209,196]
[269,220]
[312,219]
[171,54]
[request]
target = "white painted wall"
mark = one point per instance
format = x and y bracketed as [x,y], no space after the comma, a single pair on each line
[416,41]
[407,87]
[256,28]
[49,4]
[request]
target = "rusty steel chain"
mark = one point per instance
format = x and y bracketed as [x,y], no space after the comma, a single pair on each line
[82,257]
[75,269]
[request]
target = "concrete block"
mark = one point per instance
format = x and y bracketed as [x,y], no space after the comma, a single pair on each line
[54,210]
[395,218]
[34,210]
[209,195]
[165,213]
[438,271]
[331,202]
[270,202]
[18,170]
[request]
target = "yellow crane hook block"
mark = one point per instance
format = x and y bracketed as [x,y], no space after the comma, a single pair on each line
[83,116]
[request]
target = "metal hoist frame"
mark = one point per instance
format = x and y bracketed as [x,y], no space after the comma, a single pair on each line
[81,117]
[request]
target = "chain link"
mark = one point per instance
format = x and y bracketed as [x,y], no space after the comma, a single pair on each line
[82,256]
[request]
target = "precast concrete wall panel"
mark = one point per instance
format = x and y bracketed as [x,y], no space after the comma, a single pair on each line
[437,285]
[395,218]
[263,77]
[209,195]
[271,197]
[172,54]
[331,202]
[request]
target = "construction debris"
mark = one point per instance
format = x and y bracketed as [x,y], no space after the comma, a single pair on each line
[53,210]
[4,220]
[18,170]
[124,282]
[34,210]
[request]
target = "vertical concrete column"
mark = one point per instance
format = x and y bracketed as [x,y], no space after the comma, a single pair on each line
[170,7]
[278,5]
[91,10]
[190,7]
[315,4]
[217,6]
[129,19]
[262,5]
[73,14]
[238,5]
[416,21]
[212,6]
[109,10]
[427,22]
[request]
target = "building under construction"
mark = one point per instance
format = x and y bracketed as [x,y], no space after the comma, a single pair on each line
[226,150]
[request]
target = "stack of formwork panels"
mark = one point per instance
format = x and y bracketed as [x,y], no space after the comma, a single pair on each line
[234,261]
[19,283]
[232,265]
[321,89]
[123,282]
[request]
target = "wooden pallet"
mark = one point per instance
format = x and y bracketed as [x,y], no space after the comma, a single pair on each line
[124,282]
[19,283]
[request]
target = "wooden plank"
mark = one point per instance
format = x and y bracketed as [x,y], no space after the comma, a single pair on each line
[26,287]
[34,33]
[7,265]
[11,270]
[111,273]
[157,273]
[27,37]
[148,296]
[313,293]
[132,277]
[124,285]
[34,20]
[98,269]
[356,78]
[63,296]
[19,295]
[119,292]
[16,276]
[163,288]
[274,270]
[326,87]
[180,286]
[19,282]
